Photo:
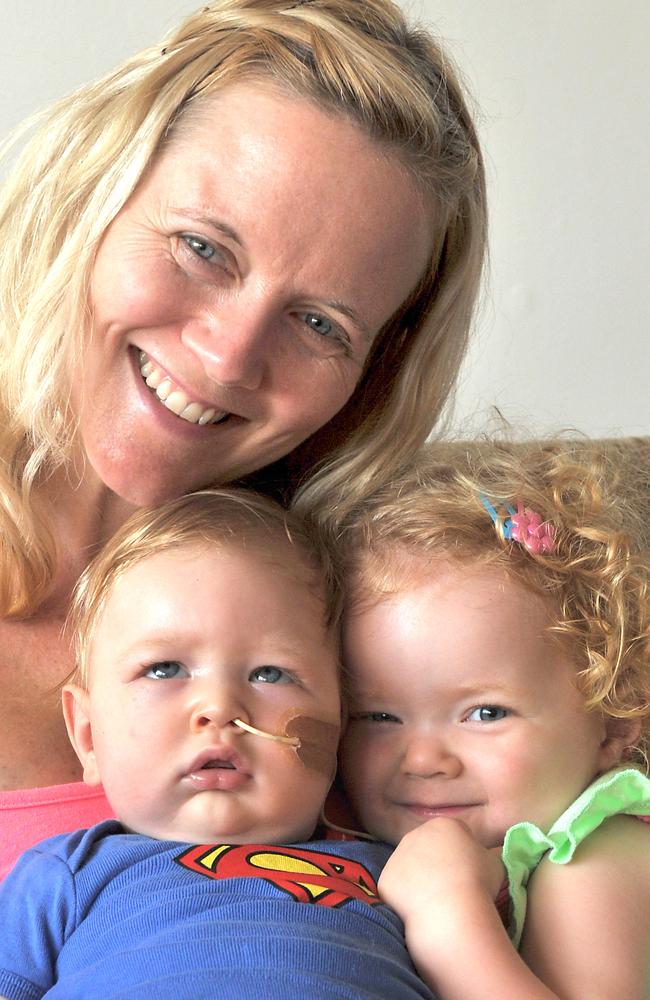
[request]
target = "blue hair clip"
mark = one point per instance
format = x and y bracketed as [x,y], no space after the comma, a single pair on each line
[507,524]
[524,526]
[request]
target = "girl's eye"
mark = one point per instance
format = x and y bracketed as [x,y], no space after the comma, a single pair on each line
[374,717]
[270,675]
[198,246]
[168,670]
[487,713]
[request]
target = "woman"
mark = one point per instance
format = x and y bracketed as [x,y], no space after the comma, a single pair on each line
[256,247]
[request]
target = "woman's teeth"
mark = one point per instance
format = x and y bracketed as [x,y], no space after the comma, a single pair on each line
[174,398]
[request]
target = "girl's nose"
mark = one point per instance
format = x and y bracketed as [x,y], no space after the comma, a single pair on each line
[427,756]
[232,343]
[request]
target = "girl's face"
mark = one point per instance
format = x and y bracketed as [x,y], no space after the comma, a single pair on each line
[236,296]
[462,706]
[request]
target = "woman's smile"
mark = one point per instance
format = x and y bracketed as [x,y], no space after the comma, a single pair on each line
[164,387]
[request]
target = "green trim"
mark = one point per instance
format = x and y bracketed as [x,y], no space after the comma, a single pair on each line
[625,791]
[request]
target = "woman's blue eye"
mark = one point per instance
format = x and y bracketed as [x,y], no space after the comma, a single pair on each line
[202,249]
[487,713]
[168,670]
[318,324]
[270,675]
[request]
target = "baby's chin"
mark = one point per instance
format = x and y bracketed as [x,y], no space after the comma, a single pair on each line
[263,833]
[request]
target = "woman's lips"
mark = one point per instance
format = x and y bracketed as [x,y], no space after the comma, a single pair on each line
[174,398]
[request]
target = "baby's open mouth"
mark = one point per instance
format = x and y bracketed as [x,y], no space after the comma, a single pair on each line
[176,399]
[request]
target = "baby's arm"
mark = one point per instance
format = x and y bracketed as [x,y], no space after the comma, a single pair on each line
[36,910]
[442,884]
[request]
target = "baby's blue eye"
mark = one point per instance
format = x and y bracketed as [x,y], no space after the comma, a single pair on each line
[487,713]
[167,670]
[270,675]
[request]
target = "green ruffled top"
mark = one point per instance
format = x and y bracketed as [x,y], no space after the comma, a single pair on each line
[624,791]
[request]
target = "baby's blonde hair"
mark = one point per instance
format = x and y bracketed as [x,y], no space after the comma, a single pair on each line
[224,520]
[90,151]
[595,581]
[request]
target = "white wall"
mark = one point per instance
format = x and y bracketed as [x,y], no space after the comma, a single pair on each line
[562,85]
[563,88]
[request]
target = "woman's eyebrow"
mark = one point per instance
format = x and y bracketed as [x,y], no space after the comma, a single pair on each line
[211,221]
[351,314]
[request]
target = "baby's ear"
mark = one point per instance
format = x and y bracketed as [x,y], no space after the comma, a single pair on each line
[620,734]
[75,703]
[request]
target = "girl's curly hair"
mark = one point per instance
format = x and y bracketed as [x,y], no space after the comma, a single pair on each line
[595,581]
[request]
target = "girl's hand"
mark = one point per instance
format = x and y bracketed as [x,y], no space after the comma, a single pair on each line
[437,871]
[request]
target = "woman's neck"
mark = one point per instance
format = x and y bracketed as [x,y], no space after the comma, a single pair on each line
[82,515]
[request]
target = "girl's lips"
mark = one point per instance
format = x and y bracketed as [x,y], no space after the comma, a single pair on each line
[443,809]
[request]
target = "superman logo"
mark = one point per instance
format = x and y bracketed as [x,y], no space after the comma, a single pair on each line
[307,876]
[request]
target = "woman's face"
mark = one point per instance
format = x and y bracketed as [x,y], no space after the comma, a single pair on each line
[244,281]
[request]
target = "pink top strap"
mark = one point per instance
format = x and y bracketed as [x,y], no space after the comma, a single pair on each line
[28,815]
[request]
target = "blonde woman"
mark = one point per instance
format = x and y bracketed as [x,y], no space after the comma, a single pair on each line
[254,246]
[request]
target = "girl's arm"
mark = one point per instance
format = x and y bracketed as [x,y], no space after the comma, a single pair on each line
[442,884]
[587,930]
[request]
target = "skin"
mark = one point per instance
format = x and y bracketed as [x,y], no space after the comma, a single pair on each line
[255,265]
[189,640]
[465,719]
[255,262]
[423,663]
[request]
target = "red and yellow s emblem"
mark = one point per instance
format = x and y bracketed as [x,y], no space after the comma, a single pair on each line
[307,876]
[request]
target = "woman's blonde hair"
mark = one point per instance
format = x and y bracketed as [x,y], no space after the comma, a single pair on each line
[218,519]
[89,152]
[595,581]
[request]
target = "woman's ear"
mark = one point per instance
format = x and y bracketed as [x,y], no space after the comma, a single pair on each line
[620,734]
[75,703]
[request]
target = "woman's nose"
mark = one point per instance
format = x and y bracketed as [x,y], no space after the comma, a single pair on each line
[232,342]
[427,756]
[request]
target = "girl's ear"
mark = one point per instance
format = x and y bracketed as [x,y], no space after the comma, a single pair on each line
[75,703]
[619,735]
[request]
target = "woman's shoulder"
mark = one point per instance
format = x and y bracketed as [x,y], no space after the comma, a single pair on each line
[28,816]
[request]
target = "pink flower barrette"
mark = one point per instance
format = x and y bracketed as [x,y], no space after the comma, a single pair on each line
[524,526]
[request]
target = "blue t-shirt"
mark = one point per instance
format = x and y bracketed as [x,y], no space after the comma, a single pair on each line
[101,913]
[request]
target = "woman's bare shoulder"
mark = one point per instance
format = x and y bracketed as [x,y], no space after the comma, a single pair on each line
[34,747]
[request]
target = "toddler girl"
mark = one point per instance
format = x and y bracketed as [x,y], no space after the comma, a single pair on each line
[498,644]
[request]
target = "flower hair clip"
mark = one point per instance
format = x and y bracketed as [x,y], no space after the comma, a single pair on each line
[524,526]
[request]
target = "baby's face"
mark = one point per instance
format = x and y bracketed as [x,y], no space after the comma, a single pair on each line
[462,706]
[189,640]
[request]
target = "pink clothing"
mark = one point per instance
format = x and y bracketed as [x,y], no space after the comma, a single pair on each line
[28,815]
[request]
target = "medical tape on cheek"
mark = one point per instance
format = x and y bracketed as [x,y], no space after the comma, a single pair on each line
[313,741]
[318,741]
